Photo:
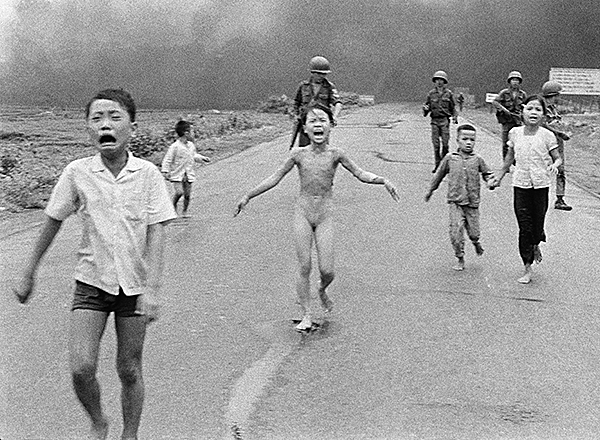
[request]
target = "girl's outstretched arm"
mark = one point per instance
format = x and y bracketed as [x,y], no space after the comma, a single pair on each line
[366,176]
[266,184]
[494,182]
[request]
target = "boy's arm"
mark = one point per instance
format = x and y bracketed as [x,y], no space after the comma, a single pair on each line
[199,157]
[366,176]
[442,169]
[266,184]
[167,160]
[148,304]
[485,171]
[25,287]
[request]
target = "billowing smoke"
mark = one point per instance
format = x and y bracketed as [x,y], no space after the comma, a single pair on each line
[234,53]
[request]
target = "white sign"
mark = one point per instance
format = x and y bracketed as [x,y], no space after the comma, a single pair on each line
[490,97]
[577,81]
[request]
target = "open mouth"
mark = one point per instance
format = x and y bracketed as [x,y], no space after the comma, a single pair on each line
[107,139]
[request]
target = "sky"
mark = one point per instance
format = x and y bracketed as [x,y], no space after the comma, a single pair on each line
[230,54]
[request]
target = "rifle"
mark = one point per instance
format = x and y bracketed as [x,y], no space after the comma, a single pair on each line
[296,131]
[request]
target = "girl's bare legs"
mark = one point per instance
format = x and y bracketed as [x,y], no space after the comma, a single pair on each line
[131,332]
[87,327]
[325,251]
[304,239]
[187,195]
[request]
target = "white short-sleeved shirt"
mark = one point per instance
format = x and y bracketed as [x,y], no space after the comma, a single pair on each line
[532,156]
[115,213]
[179,161]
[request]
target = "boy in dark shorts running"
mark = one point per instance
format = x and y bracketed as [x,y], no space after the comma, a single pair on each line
[123,203]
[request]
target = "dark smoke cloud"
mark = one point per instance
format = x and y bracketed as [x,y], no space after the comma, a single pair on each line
[234,53]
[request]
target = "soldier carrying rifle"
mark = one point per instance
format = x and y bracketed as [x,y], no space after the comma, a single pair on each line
[317,89]
[508,104]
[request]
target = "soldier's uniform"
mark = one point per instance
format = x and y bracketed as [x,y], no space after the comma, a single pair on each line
[310,93]
[554,123]
[441,107]
[512,100]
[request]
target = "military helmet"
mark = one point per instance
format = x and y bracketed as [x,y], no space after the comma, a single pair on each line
[441,75]
[319,65]
[515,74]
[551,88]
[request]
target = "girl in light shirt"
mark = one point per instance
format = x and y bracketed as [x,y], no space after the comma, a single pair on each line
[537,159]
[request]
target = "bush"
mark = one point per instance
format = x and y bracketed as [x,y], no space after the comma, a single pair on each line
[277,104]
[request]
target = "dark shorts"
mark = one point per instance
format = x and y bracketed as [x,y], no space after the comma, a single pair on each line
[92,298]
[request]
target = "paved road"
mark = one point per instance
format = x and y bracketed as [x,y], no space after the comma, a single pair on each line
[413,350]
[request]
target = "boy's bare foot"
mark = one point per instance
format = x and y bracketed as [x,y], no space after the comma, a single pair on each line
[478,248]
[460,265]
[305,324]
[185,214]
[99,430]
[537,254]
[326,303]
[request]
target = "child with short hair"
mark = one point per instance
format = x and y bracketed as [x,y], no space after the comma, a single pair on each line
[178,164]
[313,219]
[463,168]
[124,204]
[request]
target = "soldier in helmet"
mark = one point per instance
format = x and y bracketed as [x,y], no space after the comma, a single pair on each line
[550,92]
[317,89]
[508,104]
[441,106]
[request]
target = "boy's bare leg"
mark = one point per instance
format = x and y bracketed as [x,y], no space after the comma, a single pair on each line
[87,327]
[187,195]
[178,187]
[131,332]
[325,251]
[460,264]
[304,239]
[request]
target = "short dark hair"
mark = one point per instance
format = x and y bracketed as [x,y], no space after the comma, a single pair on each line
[118,95]
[539,98]
[318,106]
[463,127]
[181,127]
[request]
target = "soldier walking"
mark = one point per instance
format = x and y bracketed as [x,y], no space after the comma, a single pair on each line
[551,91]
[441,106]
[508,105]
[317,89]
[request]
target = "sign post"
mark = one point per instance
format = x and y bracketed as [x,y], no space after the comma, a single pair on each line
[489,98]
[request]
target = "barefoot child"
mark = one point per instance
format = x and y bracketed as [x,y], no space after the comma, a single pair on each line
[124,205]
[313,218]
[536,152]
[463,168]
[178,164]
